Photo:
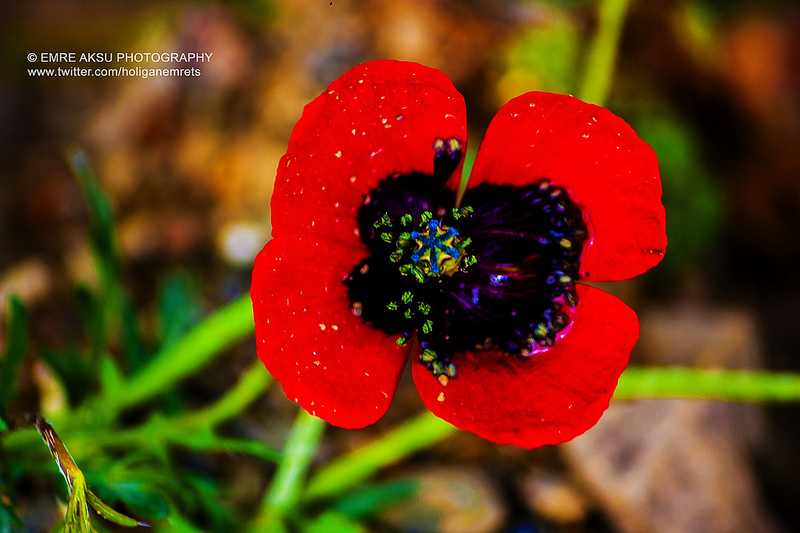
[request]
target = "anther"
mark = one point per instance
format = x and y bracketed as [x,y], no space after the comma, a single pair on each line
[448,153]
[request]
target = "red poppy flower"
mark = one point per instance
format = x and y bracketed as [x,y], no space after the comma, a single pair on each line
[374,260]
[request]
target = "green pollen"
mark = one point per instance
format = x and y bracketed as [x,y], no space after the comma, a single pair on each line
[426,248]
[427,356]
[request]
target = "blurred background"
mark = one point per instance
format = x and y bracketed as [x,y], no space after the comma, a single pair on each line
[188,163]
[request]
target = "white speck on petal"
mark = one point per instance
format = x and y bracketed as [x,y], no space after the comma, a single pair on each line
[338,154]
[322,327]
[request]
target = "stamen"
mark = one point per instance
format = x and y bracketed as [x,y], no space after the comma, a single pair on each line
[500,276]
[447,157]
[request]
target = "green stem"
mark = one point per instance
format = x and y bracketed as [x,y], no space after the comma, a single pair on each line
[194,350]
[635,383]
[250,386]
[349,470]
[750,386]
[599,69]
[192,430]
[284,493]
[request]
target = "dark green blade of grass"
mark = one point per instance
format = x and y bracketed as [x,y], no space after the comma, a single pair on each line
[16,346]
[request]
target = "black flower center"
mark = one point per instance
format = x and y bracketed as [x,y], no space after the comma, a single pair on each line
[499,272]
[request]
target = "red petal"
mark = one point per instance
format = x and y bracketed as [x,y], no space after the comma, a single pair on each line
[549,399]
[328,360]
[377,119]
[609,171]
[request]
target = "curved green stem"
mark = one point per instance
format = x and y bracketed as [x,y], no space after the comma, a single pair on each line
[417,434]
[599,69]
[284,493]
[192,430]
[636,383]
[250,386]
[194,350]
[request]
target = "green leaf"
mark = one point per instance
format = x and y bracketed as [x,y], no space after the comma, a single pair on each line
[9,521]
[103,238]
[110,377]
[90,311]
[115,315]
[178,307]
[332,521]
[132,346]
[195,349]
[369,500]
[110,514]
[177,524]
[207,496]
[140,500]
[77,519]
[16,346]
